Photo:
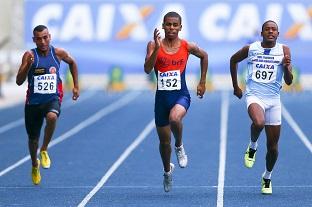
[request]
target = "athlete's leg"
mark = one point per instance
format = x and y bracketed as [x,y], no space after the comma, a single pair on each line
[256,114]
[164,146]
[273,134]
[33,124]
[51,118]
[33,147]
[175,119]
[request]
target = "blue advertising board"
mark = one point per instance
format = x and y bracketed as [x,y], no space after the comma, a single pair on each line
[102,34]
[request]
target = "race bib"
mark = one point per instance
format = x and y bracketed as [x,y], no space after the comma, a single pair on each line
[45,84]
[264,67]
[169,81]
[264,72]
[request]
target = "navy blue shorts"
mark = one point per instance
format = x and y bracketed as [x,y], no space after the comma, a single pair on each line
[35,114]
[165,101]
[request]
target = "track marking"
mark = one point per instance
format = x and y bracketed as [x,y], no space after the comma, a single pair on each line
[149,127]
[296,128]
[92,119]
[66,104]
[222,153]
[150,187]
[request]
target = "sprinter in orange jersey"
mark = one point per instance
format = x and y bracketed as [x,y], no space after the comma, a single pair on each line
[168,57]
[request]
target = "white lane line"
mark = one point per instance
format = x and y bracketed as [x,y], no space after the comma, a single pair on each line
[66,104]
[150,126]
[92,119]
[11,125]
[296,128]
[222,153]
[150,187]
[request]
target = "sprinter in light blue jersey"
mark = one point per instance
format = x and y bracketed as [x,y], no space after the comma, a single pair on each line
[267,63]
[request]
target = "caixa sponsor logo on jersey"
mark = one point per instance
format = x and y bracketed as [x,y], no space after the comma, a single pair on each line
[168,74]
[46,77]
[265,66]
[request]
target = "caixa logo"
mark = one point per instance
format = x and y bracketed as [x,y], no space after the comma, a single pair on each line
[216,21]
[265,66]
[168,74]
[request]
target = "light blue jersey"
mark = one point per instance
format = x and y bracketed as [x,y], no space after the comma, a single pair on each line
[264,71]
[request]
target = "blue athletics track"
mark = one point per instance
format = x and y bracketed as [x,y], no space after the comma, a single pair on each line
[105,153]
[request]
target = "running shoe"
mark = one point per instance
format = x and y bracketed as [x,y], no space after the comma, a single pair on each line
[250,157]
[266,186]
[181,156]
[35,173]
[168,178]
[45,159]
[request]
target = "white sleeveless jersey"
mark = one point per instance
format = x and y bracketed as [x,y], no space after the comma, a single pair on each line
[264,70]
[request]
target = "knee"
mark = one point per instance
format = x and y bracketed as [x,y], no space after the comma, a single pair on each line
[164,143]
[174,120]
[51,117]
[273,150]
[258,123]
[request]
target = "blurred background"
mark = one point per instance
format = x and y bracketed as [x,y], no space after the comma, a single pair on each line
[108,38]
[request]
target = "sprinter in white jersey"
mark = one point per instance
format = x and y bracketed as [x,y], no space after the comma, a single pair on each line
[267,63]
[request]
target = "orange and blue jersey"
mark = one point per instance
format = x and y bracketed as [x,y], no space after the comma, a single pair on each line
[171,85]
[44,82]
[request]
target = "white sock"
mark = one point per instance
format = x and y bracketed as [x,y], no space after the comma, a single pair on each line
[267,174]
[253,145]
[179,147]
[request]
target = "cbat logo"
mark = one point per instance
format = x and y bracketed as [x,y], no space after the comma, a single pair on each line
[168,74]
[52,70]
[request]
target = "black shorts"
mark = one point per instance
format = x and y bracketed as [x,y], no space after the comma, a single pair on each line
[35,114]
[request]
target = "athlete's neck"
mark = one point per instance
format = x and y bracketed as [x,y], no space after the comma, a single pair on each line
[171,43]
[43,52]
[268,44]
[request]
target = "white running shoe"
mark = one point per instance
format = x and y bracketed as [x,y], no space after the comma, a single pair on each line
[181,156]
[168,178]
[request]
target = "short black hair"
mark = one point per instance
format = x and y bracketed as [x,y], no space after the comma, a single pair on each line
[39,28]
[173,14]
[268,22]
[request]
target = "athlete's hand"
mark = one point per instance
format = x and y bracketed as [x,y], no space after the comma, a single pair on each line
[75,93]
[201,88]
[157,38]
[286,61]
[238,92]
[29,59]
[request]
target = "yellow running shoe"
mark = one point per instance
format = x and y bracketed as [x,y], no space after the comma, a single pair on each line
[250,157]
[266,186]
[35,173]
[45,159]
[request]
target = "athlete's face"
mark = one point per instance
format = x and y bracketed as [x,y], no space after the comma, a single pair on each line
[42,40]
[270,32]
[172,26]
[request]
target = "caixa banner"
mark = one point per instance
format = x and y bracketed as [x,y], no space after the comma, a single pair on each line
[103,34]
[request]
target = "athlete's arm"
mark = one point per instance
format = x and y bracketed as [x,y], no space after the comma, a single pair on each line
[27,60]
[235,59]
[67,58]
[151,52]
[202,54]
[288,76]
